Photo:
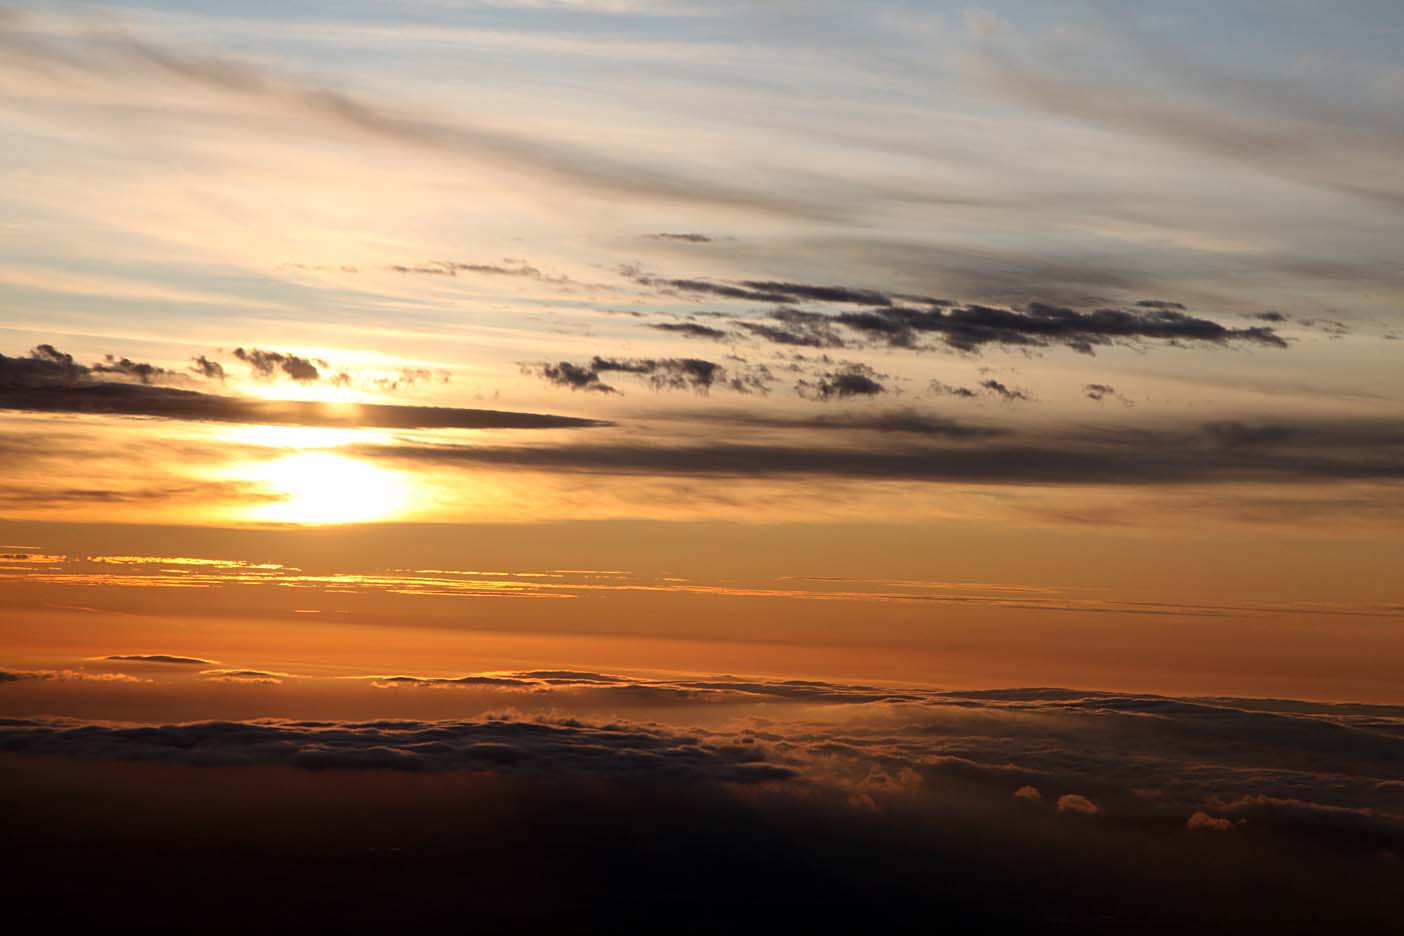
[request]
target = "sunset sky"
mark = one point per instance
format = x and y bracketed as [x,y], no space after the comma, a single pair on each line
[561,355]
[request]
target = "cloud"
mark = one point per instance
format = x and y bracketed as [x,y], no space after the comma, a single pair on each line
[1256,123]
[27,495]
[893,421]
[852,380]
[1142,762]
[128,368]
[685,238]
[67,675]
[797,328]
[499,745]
[988,387]
[1281,452]
[903,321]
[892,813]
[1330,327]
[160,658]
[103,57]
[975,327]
[49,381]
[1204,822]
[246,677]
[769,291]
[658,373]
[508,268]
[691,330]
[1006,393]
[265,364]
[1098,391]
[210,370]
[1079,804]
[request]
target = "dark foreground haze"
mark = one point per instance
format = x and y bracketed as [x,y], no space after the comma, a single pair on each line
[802,805]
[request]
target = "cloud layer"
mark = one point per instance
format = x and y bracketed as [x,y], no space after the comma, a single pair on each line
[50,381]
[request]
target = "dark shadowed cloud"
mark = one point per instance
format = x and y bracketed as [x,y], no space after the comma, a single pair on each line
[49,381]
[905,321]
[796,327]
[685,238]
[1005,392]
[265,364]
[853,380]
[125,367]
[691,330]
[210,370]
[636,753]
[899,421]
[658,373]
[160,658]
[1193,454]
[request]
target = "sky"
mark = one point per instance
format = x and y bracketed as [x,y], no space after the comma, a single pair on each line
[811,376]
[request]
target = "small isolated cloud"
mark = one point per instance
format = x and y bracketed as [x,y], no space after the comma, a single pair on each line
[1330,327]
[210,370]
[266,364]
[940,388]
[1004,392]
[1100,392]
[658,373]
[985,388]
[1079,804]
[1204,822]
[1029,794]
[159,658]
[125,367]
[245,676]
[685,238]
[691,330]
[853,380]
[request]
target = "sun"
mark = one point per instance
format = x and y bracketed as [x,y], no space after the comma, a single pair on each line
[318,487]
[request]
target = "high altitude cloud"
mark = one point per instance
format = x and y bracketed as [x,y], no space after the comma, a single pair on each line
[508,268]
[101,56]
[50,381]
[1259,124]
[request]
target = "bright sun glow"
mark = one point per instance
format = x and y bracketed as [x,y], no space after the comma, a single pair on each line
[319,487]
[294,437]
